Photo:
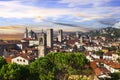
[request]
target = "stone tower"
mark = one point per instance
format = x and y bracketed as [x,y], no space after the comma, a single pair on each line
[77,35]
[26,33]
[81,39]
[60,35]
[50,37]
[42,45]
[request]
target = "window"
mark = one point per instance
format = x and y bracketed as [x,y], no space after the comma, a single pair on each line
[20,60]
[23,60]
[17,59]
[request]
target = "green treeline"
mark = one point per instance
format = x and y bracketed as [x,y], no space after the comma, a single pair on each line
[54,66]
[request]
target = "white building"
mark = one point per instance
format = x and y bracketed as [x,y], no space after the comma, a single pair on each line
[20,60]
[115,57]
[33,42]
[107,56]
[112,69]
[93,48]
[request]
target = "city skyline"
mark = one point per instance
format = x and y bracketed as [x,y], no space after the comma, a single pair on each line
[59,39]
[69,15]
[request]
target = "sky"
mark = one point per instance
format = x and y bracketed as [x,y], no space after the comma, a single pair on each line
[69,15]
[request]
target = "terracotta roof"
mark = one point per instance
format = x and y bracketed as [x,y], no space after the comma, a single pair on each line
[28,57]
[93,64]
[97,71]
[87,53]
[115,65]
[109,63]
[30,49]
[7,43]
[109,53]
[72,41]
[8,59]
[104,70]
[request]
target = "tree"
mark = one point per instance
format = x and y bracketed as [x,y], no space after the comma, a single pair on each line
[115,76]
[118,52]
[57,66]
[2,62]
[14,72]
[69,63]
[118,59]
[112,48]
[100,53]
[54,66]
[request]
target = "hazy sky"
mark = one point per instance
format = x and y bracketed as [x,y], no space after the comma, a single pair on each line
[66,14]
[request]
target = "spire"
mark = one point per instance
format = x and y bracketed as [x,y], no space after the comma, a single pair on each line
[26,33]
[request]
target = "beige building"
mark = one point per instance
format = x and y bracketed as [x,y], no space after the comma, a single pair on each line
[60,35]
[50,38]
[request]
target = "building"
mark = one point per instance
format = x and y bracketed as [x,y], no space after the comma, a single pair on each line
[21,60]
[81,39]
[26,33]
[42,45]
[33,42]
[60,35]
[50,38]
[77,35]
[32,35]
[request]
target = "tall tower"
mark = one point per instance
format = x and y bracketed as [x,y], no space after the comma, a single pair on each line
[60,35]
[42,45]
[26,33]
[50,37]
[81,39]
[77,35]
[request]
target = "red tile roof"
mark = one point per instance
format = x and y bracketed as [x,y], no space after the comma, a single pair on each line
[109,63]
[97,71]
[8,59]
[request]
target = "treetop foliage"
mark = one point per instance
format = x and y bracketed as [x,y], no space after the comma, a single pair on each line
[54,66]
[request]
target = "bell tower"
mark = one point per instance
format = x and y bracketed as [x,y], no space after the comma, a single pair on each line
[42,45]
[26,33]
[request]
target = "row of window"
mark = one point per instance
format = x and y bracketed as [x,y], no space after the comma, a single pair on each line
[20,60]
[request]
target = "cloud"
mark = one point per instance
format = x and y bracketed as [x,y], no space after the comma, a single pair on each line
[16,9]
[73,3]
[19,10]
[88,17]
[108,21]
[93,16]
[38,19]
[116,25]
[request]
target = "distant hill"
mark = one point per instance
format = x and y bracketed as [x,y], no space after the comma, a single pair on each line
[18,36]
[108,32]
